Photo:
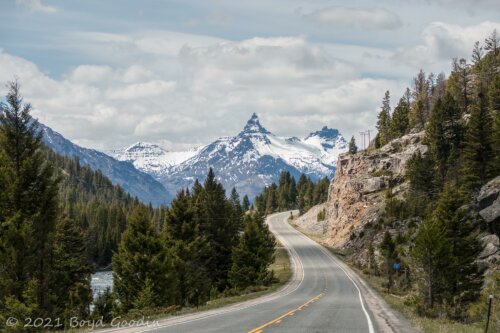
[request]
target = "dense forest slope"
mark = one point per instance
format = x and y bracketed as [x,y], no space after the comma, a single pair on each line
[423,198]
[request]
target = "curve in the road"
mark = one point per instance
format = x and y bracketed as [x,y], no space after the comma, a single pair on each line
[321,297]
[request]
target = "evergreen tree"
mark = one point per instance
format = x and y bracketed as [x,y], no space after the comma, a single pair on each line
[246,203]
[388,248]
[253,255]
[463,279]
[420,173]
[431,255]
[142,256]
[237,210]
[384,121]
[71,272]
[421,101]
[181,236]
[216,223]
[29,205]
[460,84]
[400,121]
[494,108]
[444,135]
[372,263]
[478,152]
[492,43]
[353,149]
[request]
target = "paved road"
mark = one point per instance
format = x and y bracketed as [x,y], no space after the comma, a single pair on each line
[323,296]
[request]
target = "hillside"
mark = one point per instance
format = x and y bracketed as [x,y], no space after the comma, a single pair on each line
[133,181]
[418,211]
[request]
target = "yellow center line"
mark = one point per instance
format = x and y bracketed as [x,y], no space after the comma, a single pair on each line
[289,313]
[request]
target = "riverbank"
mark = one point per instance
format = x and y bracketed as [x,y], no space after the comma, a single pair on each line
[282,272]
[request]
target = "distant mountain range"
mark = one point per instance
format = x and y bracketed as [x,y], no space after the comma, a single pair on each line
[248,161]
[135,182]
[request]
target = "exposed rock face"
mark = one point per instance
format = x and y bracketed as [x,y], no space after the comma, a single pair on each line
[309,221]
[489,203]
[356,195]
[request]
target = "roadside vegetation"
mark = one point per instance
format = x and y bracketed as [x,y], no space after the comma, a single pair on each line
[58,219]
[423,252]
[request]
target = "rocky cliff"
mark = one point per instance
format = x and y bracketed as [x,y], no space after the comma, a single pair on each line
[356,198]
[356,195]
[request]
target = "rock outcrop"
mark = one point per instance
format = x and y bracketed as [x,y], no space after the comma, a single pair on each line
[310,223]
[356,195]
[488,202]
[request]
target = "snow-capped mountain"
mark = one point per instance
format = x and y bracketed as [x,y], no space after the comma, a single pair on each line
[248,161]
[139,184]
[151,158]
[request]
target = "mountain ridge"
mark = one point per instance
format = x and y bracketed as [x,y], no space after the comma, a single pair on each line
[248,161]
[139,184]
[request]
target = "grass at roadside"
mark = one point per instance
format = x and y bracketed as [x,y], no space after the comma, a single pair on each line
[397,302]
[282,272]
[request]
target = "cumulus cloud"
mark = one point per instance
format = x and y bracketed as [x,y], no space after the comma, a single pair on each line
[210,90]
[442,41]
[355,17]
[471,5]
[38,6]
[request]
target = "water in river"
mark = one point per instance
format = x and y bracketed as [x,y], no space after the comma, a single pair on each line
[101,281]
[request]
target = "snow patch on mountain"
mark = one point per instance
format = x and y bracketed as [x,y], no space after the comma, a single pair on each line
[151,158]
[248,161]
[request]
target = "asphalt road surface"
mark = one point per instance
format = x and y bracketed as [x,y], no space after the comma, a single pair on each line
[324,295]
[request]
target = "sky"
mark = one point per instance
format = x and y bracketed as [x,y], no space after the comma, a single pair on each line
[182,73]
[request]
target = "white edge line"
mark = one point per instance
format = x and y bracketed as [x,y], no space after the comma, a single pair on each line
[270,297]
[328,254]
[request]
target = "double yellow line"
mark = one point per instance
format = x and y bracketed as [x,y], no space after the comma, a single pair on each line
[289,313]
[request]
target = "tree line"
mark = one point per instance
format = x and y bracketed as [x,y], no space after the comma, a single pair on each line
[58,219]
[208,246]
[460,117]
[289,194]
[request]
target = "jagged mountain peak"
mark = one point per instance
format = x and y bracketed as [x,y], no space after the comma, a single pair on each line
[253,126]
[325,133]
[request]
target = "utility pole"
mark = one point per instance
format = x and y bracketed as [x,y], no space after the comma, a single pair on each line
[362,139]
[368,131]
[364,136]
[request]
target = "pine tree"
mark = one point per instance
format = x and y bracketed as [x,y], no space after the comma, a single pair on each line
[494,108]
[236,210]
[71,271]
[460,84]
[181,235]
[384,121]
[372,263]
[388,248]
[444,135]
[492,43]
[420,109]
[217,226]
[431,254]
[420,173]
[246,203]
[400,121]
[29,207]
[353,149]
[142,256]
[463,280]
[252,256]
[478,151]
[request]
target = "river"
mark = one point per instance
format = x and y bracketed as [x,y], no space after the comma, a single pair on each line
[101,281]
